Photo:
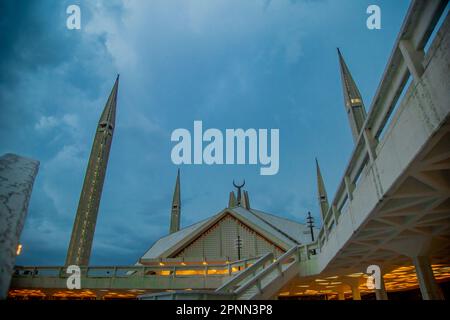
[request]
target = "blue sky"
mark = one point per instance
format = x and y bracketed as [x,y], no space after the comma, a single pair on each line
[232,64]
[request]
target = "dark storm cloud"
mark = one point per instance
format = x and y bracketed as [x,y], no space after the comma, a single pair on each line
[250,64]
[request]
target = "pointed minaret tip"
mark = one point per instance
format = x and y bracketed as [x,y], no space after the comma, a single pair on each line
[175,214]
[353,101]
[108,117]
[321,192]
[232,200]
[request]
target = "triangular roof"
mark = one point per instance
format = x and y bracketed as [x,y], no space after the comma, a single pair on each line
[282,232]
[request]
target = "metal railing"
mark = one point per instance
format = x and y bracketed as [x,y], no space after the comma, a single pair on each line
[173,271]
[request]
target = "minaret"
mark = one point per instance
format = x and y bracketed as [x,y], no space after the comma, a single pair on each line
[353,101]
[176,207]
[322,193]
[84,226]
[232,202]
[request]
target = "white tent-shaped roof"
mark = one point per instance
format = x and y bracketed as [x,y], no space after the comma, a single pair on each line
[283,232]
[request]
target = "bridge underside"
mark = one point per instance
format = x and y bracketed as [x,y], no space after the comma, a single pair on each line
[411,220]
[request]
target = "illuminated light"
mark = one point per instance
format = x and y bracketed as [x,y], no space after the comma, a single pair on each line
[204,263]
[183,264]
[320,280]
[190,272]
[303,286]
[284,293]
[161,264]
[355,275]
[19,249]
[311,291]
[337,282]
[227,262]
[188,289]
[334,277]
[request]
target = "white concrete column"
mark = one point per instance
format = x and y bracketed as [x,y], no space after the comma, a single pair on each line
[356,295]
[341,294]
[354,285]
[428,286]
[17,176]
[381,293]
[413,59]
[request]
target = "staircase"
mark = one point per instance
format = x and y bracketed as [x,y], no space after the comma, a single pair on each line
[267,276]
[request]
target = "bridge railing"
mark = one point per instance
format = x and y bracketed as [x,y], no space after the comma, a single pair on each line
[408,60]
[266,276]
[266,269]
[134,271]
[231,284]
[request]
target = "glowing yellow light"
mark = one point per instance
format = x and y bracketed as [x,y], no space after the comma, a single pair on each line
[355,275]
[161,264]
[19,249]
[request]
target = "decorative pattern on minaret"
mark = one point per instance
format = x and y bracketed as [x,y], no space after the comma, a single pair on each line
[84,226]
[353,100]
[176,207]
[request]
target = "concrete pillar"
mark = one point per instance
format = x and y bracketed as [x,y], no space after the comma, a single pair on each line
[17,176]
[341,295]
[381,293]
[428,286]
[356,295]
[354,283]
[413,59]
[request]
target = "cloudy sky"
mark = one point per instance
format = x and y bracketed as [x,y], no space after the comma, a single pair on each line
[232,64]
